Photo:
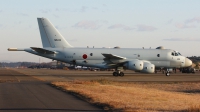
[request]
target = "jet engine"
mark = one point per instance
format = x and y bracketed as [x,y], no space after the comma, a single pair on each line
[134,65]
[148,68]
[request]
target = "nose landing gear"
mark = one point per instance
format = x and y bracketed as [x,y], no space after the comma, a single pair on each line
[167,72]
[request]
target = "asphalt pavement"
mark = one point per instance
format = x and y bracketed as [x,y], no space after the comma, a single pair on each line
[20,92]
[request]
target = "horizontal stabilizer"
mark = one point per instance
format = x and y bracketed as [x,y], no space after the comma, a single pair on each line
[15,49]
[111,56]
[43,51]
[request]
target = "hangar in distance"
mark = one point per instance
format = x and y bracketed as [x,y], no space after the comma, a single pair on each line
[144,60]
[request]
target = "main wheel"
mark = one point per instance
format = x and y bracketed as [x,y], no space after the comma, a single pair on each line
[121,74]
[115,74]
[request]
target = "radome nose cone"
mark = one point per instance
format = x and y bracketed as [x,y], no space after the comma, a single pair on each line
[188,62]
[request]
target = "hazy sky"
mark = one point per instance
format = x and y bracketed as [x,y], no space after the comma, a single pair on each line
[174,24]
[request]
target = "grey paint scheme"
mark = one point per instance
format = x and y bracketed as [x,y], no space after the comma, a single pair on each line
[97,59]
[48,33]
[57,48]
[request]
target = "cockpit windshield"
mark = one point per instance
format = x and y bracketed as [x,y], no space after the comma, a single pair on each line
[176,53]
[179,53]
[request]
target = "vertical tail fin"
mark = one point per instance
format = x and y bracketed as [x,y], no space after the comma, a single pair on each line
[50,36]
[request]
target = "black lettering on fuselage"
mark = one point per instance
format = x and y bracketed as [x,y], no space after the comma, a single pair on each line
[57,39]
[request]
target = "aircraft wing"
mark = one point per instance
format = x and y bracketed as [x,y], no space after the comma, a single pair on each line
[112,56]
[43,51]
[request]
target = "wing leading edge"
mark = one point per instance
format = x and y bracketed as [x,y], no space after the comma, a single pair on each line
[112,56]
[113,59]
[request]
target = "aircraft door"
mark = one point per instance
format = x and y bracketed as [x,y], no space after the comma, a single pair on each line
[173,54]
[182,61]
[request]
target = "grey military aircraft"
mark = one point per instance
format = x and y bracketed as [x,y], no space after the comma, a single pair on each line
[56,47]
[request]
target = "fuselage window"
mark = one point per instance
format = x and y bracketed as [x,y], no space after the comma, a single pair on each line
[158,55]
[91,54]
[138,55]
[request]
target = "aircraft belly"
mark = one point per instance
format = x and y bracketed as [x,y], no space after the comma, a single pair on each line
[92,63]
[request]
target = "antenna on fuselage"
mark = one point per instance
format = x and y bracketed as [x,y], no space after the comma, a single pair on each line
[160,47]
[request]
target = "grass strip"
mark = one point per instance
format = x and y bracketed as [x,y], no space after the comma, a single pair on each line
[122,96]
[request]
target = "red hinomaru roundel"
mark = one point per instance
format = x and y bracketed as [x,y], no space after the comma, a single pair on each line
[84,56]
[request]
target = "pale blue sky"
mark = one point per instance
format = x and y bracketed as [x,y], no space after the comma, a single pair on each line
[173,24]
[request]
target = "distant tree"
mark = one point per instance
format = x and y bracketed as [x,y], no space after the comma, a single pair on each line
[196,65]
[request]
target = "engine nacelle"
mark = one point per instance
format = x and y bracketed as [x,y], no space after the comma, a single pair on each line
[134,65]
[148,68]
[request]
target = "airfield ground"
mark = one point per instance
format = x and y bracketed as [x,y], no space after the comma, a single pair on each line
[130,76]
[133,92]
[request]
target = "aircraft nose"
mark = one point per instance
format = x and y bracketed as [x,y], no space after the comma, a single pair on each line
[188,62]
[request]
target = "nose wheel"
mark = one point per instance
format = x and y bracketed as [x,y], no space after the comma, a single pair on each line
[167,73]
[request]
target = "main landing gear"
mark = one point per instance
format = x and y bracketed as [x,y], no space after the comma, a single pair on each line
[118,73]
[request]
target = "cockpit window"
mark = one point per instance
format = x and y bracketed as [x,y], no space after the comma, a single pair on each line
[176,53]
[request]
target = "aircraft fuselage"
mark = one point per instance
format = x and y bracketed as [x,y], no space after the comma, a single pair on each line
[93,57]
